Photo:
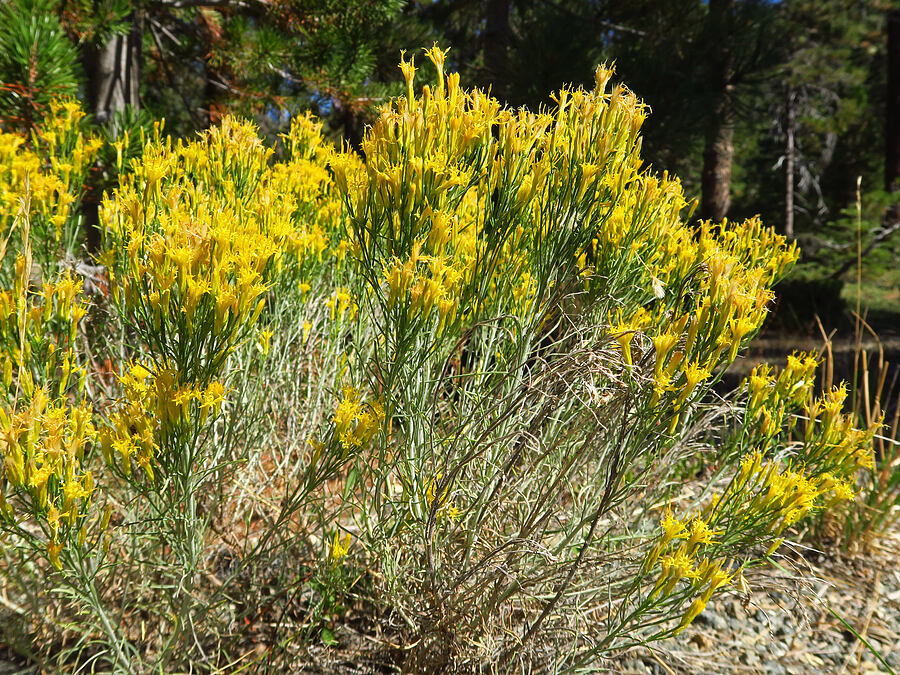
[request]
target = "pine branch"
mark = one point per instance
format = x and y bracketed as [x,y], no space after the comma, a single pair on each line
[886,231]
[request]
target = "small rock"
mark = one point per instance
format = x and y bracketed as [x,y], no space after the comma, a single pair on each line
[736,610]
[749,658]
[778,648]
[714,620]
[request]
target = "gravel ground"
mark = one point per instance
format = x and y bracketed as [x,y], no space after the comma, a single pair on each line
[782,628]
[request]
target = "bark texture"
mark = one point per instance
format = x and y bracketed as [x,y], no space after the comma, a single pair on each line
[717,158]
[789,152]
[718,153]
[892,116]
[112,71]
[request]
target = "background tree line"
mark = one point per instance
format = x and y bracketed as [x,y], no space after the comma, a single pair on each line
[776,108]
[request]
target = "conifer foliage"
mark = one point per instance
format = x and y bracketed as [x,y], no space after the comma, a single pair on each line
[37,61]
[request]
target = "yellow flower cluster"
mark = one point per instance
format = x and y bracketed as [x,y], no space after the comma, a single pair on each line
[39,328]
[767,495]
[823,469]
[43,435]
[339,303]
[51,172]
[43,448]
[677,553]
[132,430]
[772,496]
[831,442]
[460,220]
[340,547]
[422,284]
[728,306]
[43,445]
[770,397]
[470,207]
[153,406]
[192,238]
[832,439]
[625,329]
[318,210]
[356,421]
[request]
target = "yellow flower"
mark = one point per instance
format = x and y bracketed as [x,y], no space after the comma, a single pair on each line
[663,344]
[774,546]
[624,331]
[672,527]
[54,548]
[338,303]
[212,398]
[694,373]
[430,492]
[692,612]
[139,372]
[739,328]
[717,579]
[674,567]
[832,404]
[263,341]
[750,465]
[347,410]
[72,491]
[53,517]
[339,547]
[700,534]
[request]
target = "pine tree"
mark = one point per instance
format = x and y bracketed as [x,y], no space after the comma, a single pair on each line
[37,61]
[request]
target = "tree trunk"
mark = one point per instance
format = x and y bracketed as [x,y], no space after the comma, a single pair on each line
[892,115]
[717,157]
[890,220]
[212,94]
[495,47]
[113,73]
[715,181]
[790,122]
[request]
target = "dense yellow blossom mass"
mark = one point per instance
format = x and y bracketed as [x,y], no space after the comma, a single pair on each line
[458,214]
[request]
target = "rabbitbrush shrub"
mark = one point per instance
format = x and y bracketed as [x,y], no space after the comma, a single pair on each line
[446,394]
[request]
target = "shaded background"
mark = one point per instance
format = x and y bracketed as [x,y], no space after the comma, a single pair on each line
[761,107]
